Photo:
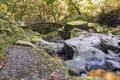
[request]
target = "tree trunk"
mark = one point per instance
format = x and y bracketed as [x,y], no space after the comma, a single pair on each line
[9,8]
[53,14]
[74,5]
[22,13]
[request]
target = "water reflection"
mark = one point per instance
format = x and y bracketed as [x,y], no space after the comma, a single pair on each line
[104,74]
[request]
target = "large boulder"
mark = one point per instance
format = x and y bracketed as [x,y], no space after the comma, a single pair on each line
[35,39]
[76,66]
[79,24]
[75,32]
[113,53]
[93,39]
[50,47]
[71,45]
[90,40]
[92,25]
[113,65]
[31,64]
[53,37]
[86,59]
[25,43]
[54,48]
[94,57]
[110,43]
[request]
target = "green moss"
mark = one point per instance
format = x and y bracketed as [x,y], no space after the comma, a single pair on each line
[9,33]
[43,28]
[91,24]
[50,35]
[35,39]
[106,29]
[88,78]
[2,53]
[102,29]
[76,32]
[83,23]
[31,35]
[115,30]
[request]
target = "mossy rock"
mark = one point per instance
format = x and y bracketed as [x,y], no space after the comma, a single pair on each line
[9,32]
[25,43]
[115,30]
[76,32]
[102,29]
[32,36]
[31,33]
[79,24]
[83,23]
[106,29]
[35,39]
[91,24]
[52,36]
[43,28]
[95,27]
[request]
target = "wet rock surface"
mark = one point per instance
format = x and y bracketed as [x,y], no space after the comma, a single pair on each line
[81,54]
[98,51]
[94,57]
[31,64]
[76,66]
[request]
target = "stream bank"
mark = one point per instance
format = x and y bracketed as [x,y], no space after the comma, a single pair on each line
[80,55]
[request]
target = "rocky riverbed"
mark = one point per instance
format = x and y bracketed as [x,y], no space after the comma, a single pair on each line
[80,54]
[24,63]
[87,52]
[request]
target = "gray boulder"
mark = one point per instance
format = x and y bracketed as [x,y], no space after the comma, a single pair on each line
[93,39]
[54,48]
[42,42]
[71,45]
[110,43]
[113,53]
[79,24]
[25,43]
[76,66]
[75,32]
[31,64]
[113,65]
[95,58]
[74,44]
[50,47]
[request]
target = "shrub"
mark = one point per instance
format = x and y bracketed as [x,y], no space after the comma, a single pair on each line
[9,33]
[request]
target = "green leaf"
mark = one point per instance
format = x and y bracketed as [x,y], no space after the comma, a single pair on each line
[48,2]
